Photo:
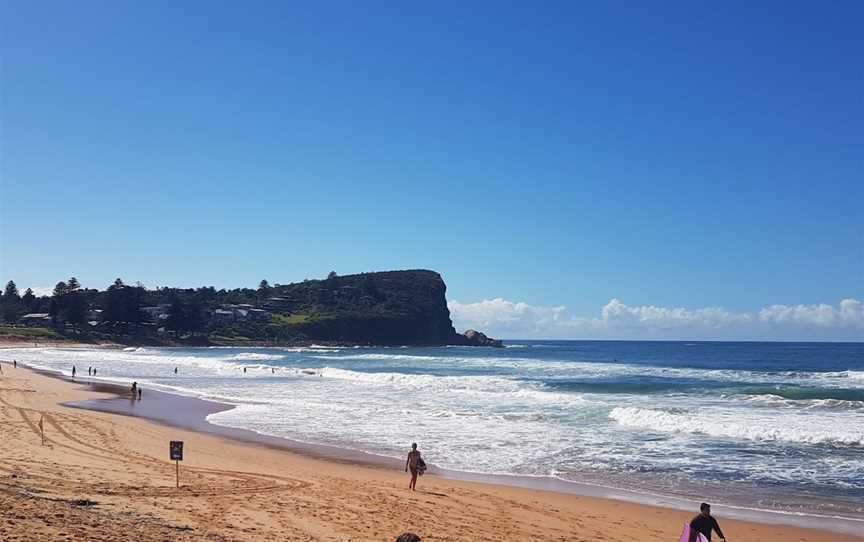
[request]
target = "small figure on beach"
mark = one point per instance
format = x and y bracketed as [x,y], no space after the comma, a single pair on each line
[244,370]
[139,393]
[175,370]
[416,464]
[89,371]
[272,370]
[703,524]
[94,371]
[14,363]
[73,371]
[134,389]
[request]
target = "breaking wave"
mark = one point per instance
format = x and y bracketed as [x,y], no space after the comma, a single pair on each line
[738,427]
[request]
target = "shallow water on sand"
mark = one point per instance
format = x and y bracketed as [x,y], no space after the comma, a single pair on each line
[766,425]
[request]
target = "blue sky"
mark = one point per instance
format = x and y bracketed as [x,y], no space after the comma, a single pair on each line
[676,156]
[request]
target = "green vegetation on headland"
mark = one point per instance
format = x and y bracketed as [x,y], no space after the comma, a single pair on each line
[386,308]
[28,333]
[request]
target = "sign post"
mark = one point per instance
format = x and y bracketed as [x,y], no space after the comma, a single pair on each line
[176,450]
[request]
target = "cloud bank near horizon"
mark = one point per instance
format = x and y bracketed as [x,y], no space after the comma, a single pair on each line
[617,320]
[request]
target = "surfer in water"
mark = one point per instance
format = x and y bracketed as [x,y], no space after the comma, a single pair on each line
[703,524]
[413,463]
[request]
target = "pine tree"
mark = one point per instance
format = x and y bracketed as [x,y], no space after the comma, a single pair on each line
[27,300]
[332,280]
[11,306]
[58,302]
[113,311]
[177,317]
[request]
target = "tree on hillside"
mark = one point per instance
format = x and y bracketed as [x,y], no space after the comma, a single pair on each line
[177,318]
[11,291]
[263,290]
[75,304]
[114,307]
[76,309]
[369,288]
[332,280]
[195,318]
[68,304]
[185,316]
[57,309]
[28,300]
[133,300]
[11,303]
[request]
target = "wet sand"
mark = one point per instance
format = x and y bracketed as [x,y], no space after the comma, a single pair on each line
[104,476]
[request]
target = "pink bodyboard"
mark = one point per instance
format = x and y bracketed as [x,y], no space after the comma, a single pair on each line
[685,535]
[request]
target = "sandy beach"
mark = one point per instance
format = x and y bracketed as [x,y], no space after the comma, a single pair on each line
[103,476]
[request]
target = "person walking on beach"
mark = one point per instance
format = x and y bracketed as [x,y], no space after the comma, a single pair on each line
[134,389]
[703,524]
[89,371]
[139,393]
[413,463]
[73,371]
[14,363]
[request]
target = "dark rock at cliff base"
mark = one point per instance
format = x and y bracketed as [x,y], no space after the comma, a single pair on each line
[477,338]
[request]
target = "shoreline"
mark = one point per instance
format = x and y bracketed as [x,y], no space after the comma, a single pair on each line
[107,477]
[190,412]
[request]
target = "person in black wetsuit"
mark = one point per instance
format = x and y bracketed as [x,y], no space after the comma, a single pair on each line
[704,523]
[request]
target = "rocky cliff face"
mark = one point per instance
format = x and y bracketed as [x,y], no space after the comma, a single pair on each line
[387,308]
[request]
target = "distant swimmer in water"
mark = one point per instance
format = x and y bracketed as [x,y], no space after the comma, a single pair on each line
[73,371]
[272,370]
[89,370]
[175,370]
[704,524]
[94,371]
[244,369]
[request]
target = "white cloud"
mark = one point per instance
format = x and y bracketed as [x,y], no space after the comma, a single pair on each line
[616,313]
[506,316]
[617,320]
[39,291]
[850,313]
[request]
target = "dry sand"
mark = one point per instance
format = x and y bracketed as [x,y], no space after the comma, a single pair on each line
[107,477]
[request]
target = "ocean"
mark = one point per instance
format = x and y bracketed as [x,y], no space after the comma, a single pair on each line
[773,426]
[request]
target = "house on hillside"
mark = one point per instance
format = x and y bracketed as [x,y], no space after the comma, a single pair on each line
[36,319]
[157,313]
[222,316]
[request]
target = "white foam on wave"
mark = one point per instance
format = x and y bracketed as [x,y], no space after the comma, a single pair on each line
[805,431]
[777,400]
[253,356]
[139,360]
[379,357]
[453,384]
